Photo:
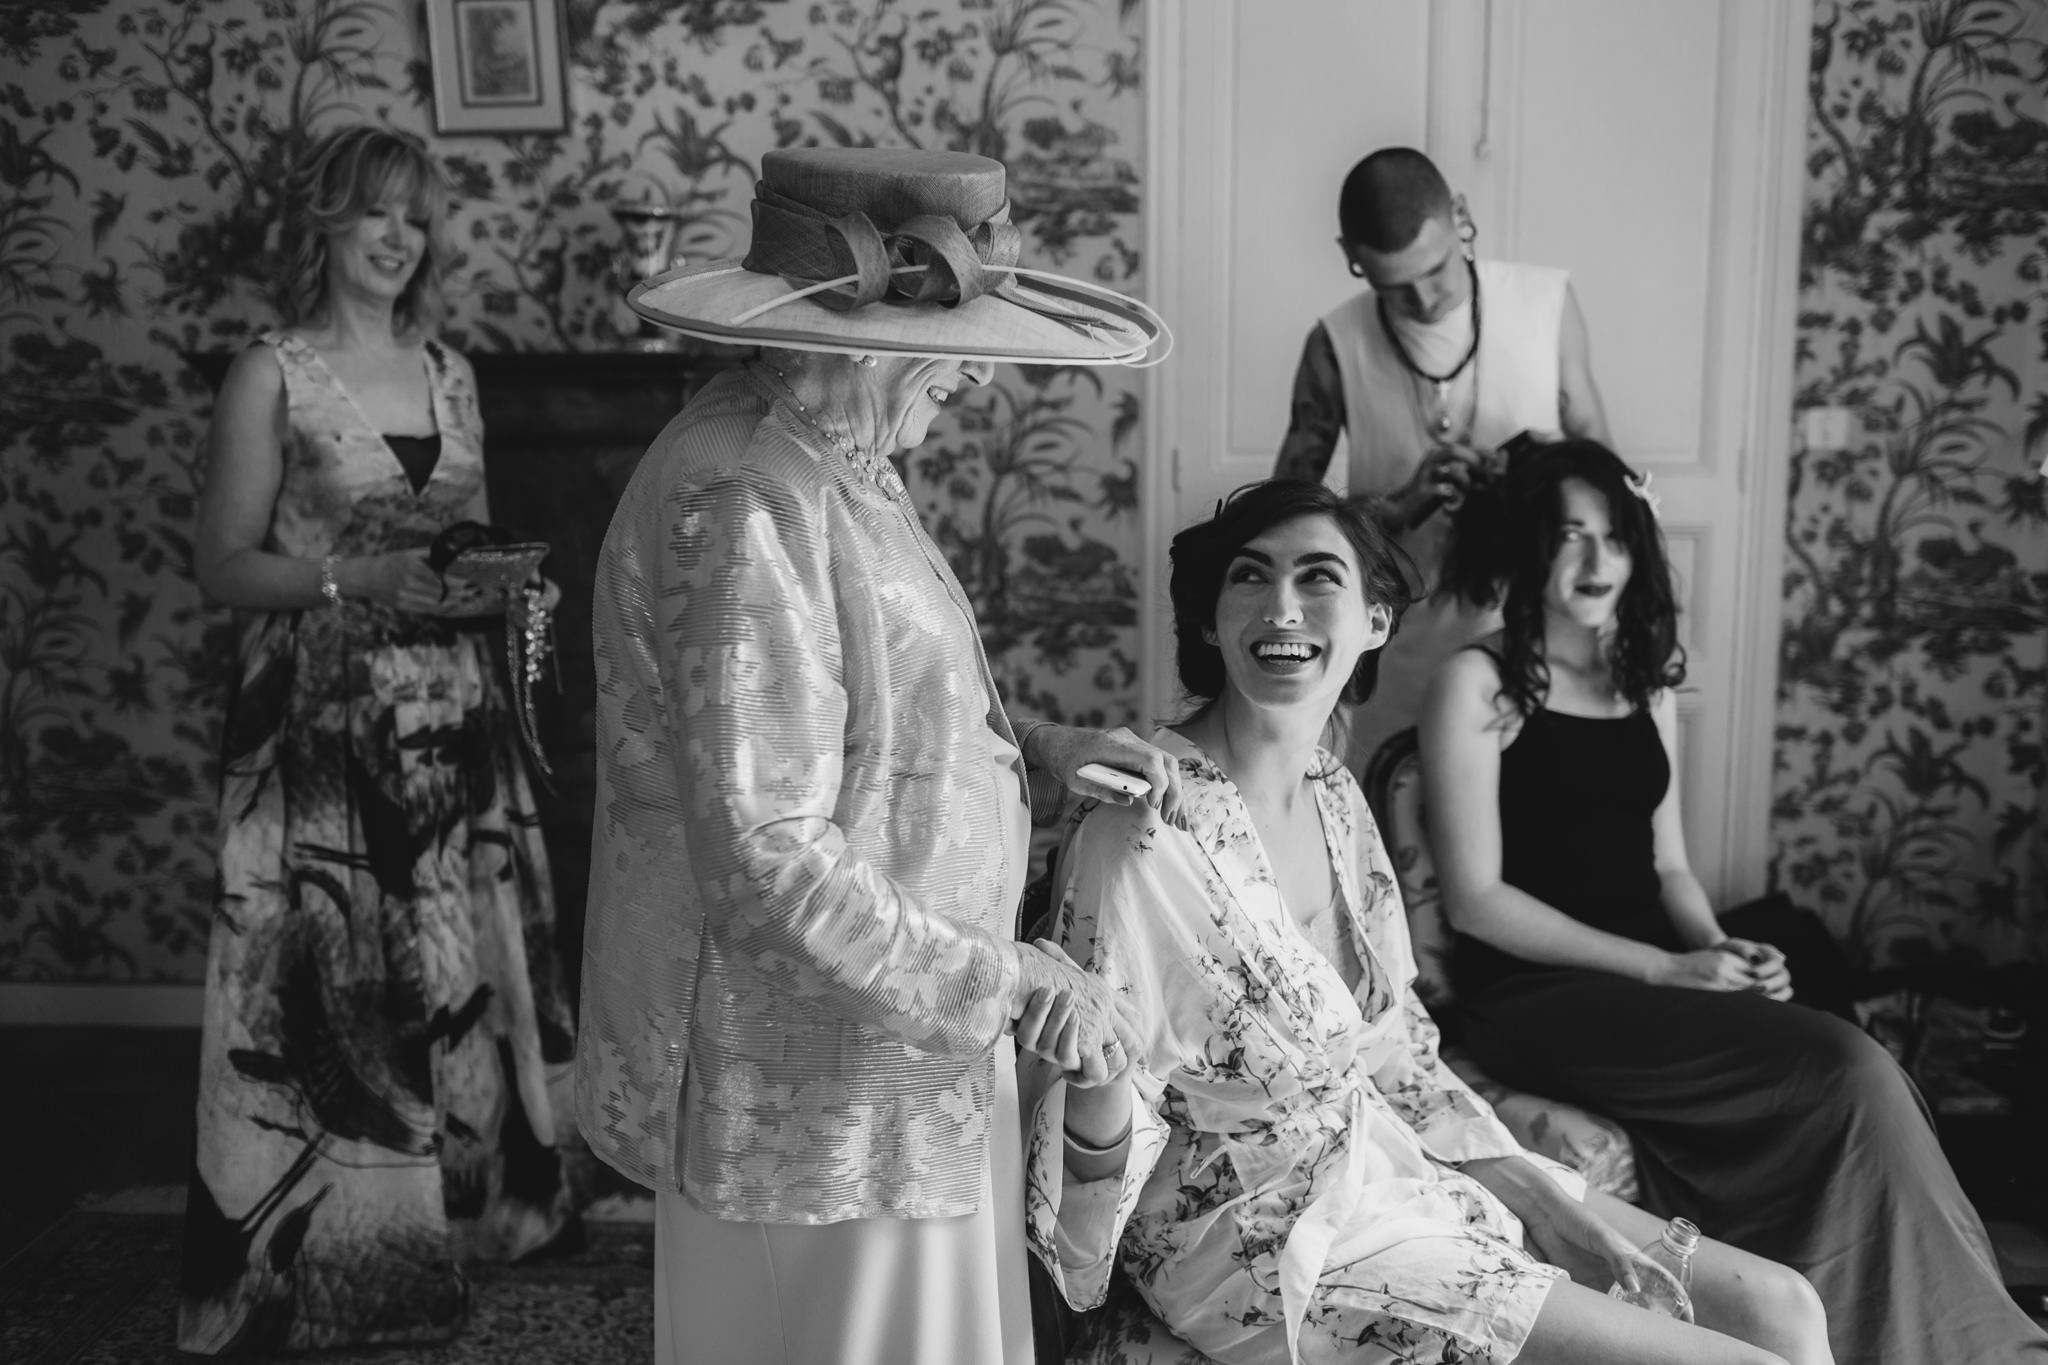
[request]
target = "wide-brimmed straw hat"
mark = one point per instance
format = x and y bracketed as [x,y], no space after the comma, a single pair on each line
[881,251]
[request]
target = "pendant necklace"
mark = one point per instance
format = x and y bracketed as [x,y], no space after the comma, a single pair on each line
[1439,425]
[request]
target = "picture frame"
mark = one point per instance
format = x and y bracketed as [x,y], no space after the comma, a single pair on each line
[497,66]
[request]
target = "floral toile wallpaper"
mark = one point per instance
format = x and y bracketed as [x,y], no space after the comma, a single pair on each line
[1909,798]
[141,146]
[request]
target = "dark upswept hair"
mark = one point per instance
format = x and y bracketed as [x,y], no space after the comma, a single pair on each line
[1504,538]
[1202,553]
[338,180]
[1388,196]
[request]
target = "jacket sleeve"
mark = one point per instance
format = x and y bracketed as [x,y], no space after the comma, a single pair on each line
[749,650]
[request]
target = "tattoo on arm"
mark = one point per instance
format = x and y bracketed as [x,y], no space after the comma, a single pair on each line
[1302,463]
[1315,412]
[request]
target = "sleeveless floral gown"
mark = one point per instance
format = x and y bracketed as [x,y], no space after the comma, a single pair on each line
[386,1043]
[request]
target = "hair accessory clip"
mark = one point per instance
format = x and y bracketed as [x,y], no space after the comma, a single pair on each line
[1639,484]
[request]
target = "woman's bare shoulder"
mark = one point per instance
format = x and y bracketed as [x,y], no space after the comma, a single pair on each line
[1471,672]
[254,378]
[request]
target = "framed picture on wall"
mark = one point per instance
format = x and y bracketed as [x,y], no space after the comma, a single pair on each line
[497,66]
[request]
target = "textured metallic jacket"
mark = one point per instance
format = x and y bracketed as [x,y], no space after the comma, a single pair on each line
[798,953]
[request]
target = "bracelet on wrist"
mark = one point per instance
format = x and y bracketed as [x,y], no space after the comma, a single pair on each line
[329,588]
[1090,1149]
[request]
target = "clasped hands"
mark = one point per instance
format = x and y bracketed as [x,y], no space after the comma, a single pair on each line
[1733,964]
[1071,1018]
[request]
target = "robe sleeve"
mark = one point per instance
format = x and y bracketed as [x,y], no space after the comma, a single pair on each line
[1117,873]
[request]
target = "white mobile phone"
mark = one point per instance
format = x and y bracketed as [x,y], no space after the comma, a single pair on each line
[1116,779]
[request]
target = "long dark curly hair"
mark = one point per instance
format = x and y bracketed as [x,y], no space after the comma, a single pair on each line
[1201,555]
[1505,538]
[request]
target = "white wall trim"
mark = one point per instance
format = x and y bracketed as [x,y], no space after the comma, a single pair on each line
[95,1004]
[1783,39]
[1165,129]
[1474,136]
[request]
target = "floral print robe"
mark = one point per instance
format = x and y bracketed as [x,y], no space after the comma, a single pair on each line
[1292,1190]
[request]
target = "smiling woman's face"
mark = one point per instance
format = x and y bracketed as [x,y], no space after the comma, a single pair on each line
[1292,619]
[913,389]
[376,256]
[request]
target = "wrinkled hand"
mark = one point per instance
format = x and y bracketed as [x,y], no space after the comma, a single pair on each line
[1766,963]
[1705,969]
[1071,1018]
[1565,1232]
[1441,481]
[1063,749]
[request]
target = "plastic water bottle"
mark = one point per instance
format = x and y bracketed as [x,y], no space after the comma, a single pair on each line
[1664,1269]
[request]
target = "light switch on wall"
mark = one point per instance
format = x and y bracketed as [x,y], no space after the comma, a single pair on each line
[1827,428]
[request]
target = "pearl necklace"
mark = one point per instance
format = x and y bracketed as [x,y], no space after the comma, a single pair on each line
[862,459]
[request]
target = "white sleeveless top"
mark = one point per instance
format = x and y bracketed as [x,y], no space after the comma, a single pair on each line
[1386,411]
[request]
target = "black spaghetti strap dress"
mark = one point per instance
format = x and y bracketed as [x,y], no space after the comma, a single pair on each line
[1777,1128]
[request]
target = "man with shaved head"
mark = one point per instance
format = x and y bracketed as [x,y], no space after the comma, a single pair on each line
[1428,372]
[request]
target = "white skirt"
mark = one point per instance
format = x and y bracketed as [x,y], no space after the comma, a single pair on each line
[874,1291]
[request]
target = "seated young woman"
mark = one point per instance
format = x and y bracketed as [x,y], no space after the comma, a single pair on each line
[1286,1170]
[1590,966]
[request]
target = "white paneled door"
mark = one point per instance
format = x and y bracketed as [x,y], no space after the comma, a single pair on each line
[1655,150]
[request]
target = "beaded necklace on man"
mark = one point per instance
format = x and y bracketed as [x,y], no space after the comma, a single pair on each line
[1437,427]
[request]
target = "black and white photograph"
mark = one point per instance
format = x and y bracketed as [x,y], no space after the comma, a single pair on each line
[1024,682]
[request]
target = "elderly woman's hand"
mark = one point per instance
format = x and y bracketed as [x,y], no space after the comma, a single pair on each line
[1071,1018]
[1064,750]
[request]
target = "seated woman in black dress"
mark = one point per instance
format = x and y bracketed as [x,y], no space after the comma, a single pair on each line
[1591,968]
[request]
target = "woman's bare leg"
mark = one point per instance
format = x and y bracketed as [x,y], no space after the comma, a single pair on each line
[1749,1310]
[1735,1292]
[1581,1326]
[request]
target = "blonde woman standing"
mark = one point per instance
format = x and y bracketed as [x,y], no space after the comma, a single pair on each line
[386,1037]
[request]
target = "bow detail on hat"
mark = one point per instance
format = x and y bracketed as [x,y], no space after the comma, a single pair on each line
[805,246]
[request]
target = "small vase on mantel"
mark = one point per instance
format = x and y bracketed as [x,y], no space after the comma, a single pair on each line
[649,230]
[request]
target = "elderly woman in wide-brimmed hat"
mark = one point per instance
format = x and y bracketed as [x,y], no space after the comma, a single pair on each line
[812,813]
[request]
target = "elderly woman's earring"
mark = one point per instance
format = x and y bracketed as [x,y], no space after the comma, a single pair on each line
[866,362]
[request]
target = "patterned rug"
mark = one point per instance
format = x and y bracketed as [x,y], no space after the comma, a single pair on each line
[100,1288]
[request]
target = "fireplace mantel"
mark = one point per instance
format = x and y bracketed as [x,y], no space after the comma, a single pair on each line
[563,432]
